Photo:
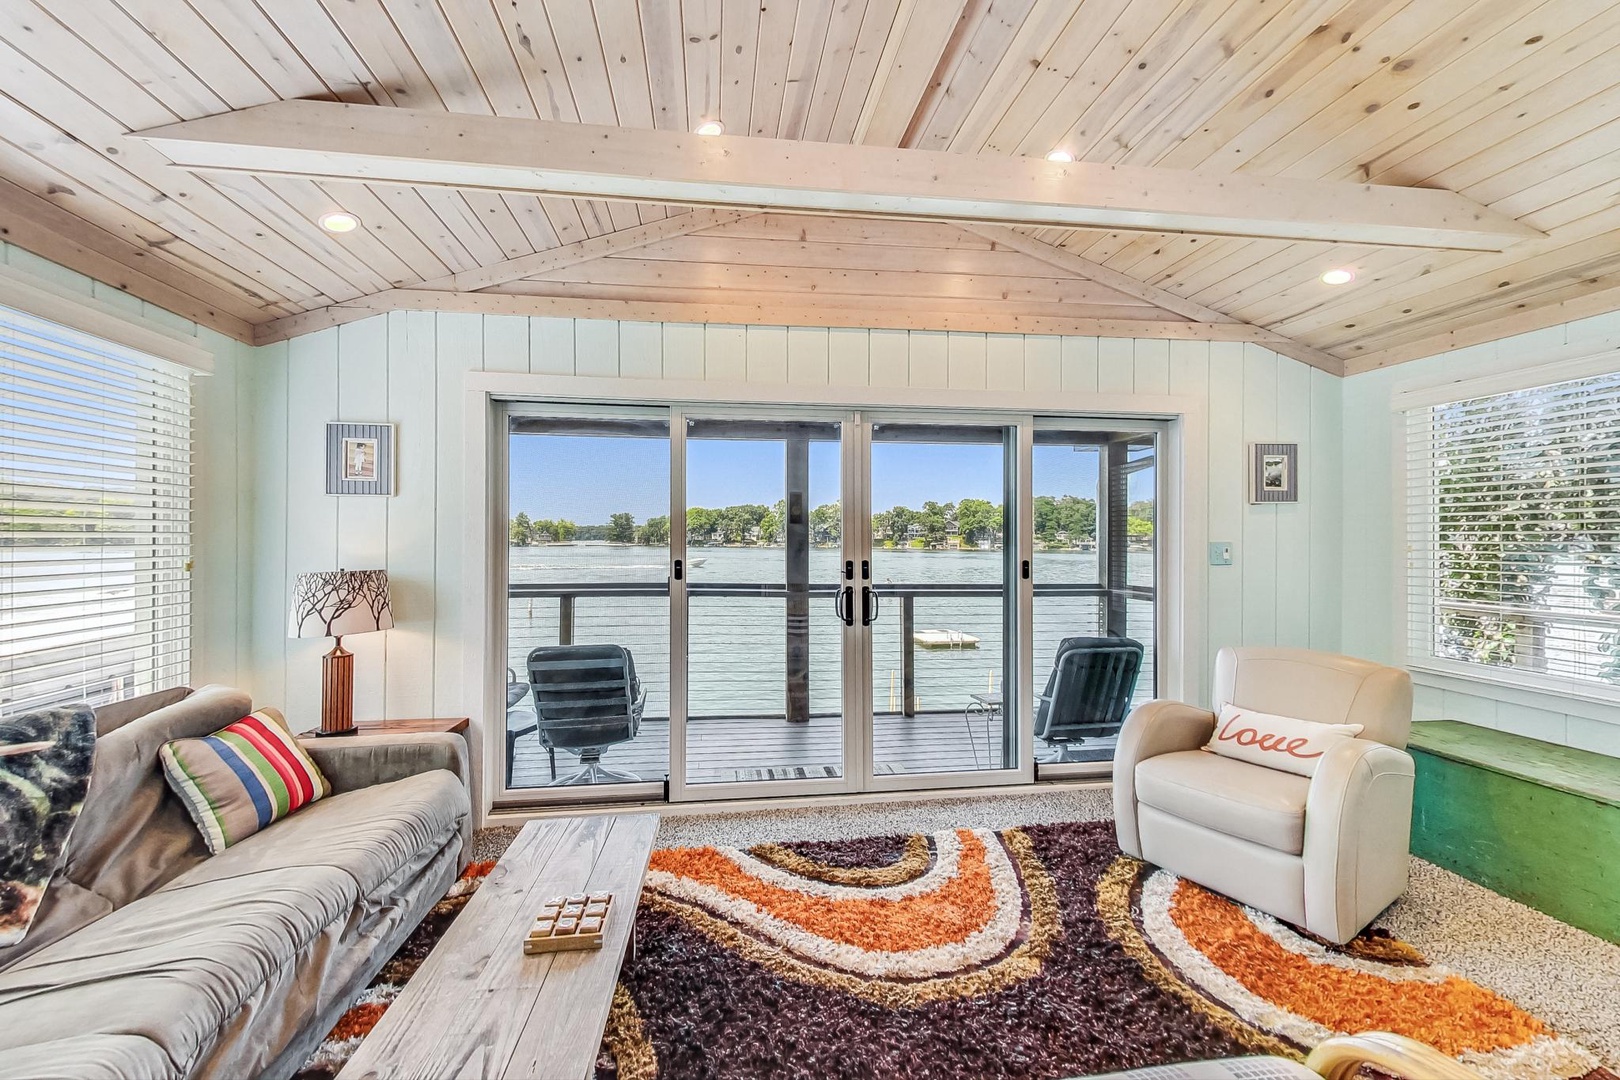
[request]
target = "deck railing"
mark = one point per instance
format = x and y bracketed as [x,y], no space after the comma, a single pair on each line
[905,595]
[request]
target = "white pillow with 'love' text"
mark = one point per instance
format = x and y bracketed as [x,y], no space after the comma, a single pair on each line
[1277,742]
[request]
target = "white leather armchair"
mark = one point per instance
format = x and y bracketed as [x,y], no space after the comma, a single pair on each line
[1326,852]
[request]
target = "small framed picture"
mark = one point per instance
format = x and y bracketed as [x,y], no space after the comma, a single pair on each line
[359,459]
[1274,473]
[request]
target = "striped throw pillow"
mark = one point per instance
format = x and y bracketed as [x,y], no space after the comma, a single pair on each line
[242,778]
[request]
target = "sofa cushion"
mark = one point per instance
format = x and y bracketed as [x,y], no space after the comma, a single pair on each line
[171,967]
[1232,797]
[175,965]
[242,778]
[367,834]
[132,834]
[45,758]
[88,1057]
[1276,742]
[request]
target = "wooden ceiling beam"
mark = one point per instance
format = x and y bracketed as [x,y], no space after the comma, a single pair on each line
[1081,266]
[1486,329]
[483,277]
[559,258]
[374,144]
[890,315]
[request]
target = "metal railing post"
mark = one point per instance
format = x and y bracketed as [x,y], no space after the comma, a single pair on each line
[565,620]
[908,655]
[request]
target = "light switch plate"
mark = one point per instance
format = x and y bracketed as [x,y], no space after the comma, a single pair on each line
[1220,553]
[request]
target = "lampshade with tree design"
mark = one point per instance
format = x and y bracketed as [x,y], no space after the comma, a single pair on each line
[336,603]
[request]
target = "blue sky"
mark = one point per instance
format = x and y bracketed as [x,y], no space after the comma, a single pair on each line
[587,478]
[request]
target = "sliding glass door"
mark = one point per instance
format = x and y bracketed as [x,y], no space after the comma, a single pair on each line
[942,615]
[587,559]
[708,603]
[764,637]
[1094,511]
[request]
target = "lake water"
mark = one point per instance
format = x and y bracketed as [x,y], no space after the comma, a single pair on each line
[737,644]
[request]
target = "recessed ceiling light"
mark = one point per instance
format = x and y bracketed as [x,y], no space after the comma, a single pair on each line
[1338,277]
[1060,156]
[711,127]
[339,222]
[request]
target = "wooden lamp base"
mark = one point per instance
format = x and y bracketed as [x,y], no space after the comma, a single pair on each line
[337,691]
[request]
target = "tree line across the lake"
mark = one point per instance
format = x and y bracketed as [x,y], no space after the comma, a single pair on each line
[1063,521]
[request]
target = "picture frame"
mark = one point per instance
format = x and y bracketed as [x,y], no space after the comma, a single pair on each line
[1273,473]
[359,459]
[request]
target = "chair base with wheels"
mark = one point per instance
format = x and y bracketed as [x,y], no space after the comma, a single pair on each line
[591,771]
[1078,750]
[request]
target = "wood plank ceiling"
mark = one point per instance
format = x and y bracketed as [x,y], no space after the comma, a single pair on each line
[1513,103]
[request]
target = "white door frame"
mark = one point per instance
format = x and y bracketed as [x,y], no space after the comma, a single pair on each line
[483,657]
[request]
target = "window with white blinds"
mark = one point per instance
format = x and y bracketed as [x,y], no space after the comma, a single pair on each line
[95,518]
[1513,511]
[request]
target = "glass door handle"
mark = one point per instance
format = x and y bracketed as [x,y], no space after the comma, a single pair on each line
[843,604]
[869,606]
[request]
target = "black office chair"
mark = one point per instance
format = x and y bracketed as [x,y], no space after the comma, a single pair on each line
[1089,691]
[586,698]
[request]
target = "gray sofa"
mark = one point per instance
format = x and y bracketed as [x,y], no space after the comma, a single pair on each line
[150,959]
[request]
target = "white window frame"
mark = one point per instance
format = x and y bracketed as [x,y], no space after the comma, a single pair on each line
[1527,688]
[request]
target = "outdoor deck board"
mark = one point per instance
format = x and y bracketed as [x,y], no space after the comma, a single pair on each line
[717,749]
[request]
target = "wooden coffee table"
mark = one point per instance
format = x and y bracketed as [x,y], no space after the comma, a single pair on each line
[478,1007]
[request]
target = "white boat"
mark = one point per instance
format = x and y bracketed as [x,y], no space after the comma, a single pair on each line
[944,639]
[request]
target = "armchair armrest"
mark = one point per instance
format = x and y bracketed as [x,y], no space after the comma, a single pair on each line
[360,761]
[1157,727]
[1358,827]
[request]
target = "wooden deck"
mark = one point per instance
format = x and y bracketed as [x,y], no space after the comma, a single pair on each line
[740,749]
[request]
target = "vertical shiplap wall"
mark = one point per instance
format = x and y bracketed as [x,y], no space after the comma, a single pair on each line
[406,368]
[1373,565]
[222,446]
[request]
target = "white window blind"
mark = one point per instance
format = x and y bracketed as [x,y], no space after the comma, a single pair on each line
[95,518]
[1513,512]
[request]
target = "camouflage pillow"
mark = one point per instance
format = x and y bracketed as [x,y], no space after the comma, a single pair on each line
[45,759]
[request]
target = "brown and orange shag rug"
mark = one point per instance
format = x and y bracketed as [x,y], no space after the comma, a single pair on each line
[1036,952]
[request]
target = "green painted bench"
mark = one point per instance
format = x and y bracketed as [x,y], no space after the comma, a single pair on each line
[1528,819]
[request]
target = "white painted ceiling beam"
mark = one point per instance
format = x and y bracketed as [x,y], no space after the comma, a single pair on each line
[376,144]
[597,247]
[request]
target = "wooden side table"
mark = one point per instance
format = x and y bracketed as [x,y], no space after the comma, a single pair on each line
[456,725]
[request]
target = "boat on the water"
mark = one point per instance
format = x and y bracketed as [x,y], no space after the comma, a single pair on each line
[944,639]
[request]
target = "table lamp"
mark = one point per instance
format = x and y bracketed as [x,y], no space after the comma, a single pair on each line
[334,603]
